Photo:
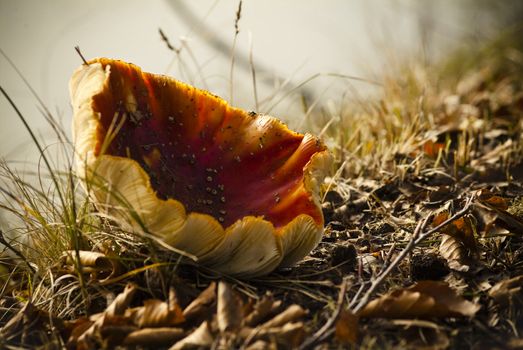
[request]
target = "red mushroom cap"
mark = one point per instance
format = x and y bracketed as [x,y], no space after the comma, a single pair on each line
[236,189]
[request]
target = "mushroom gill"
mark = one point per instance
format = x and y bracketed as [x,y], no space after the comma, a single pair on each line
[236,189]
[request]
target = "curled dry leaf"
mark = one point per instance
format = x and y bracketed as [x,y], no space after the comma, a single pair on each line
[454,252]
[229,308]
[488,198]
[508,290]
[347,327]
[201,305]
[97,265]
[432,149]
[499,206]
[153,336]
[292,313]
[237,190]
[290,335]
[88,339]
[461,229]
[265,307]
[122,301]
[424,299]
[201,337]
[261,345]
[157,313]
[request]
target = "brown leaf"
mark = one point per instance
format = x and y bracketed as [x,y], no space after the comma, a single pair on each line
[89,338]
[423,299]
[261,345]
[461,229]
[432,148]
[289,335]
[153,336]
[454,252]
[229,308]
[201,305]
[157,313]
[122,301]
[499,206]
[200,337]
[347,327]
[263,308]
[488,198]
[291,314]
[25,327]
[508,290]
[426,339]
[115,330]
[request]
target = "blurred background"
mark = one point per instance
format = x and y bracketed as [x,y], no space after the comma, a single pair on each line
[317,49]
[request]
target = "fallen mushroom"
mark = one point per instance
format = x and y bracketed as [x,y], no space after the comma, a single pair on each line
[239,191]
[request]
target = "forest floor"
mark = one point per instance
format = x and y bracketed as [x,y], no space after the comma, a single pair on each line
[423,243]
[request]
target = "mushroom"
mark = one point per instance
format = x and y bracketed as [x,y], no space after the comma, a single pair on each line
[238,190]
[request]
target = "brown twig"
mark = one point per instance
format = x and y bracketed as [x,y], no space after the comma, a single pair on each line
[165,39]
[77,48]
[417,237]
[326,330]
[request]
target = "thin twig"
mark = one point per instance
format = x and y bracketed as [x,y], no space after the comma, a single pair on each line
[327,327]
[77,48]
[165,39]
[417,237]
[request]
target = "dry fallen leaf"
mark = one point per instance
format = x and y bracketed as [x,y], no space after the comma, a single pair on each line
[200,337]
[201,305]
[500,210]
[490,199]
[508,290]
[292,313]
[153,336]
[290,335]
[264,307]
[454,252]
[424,299]
[432,148]
[261,345]
[347,327]
[461,229]
[229,308]
[88,339]
[157,313]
